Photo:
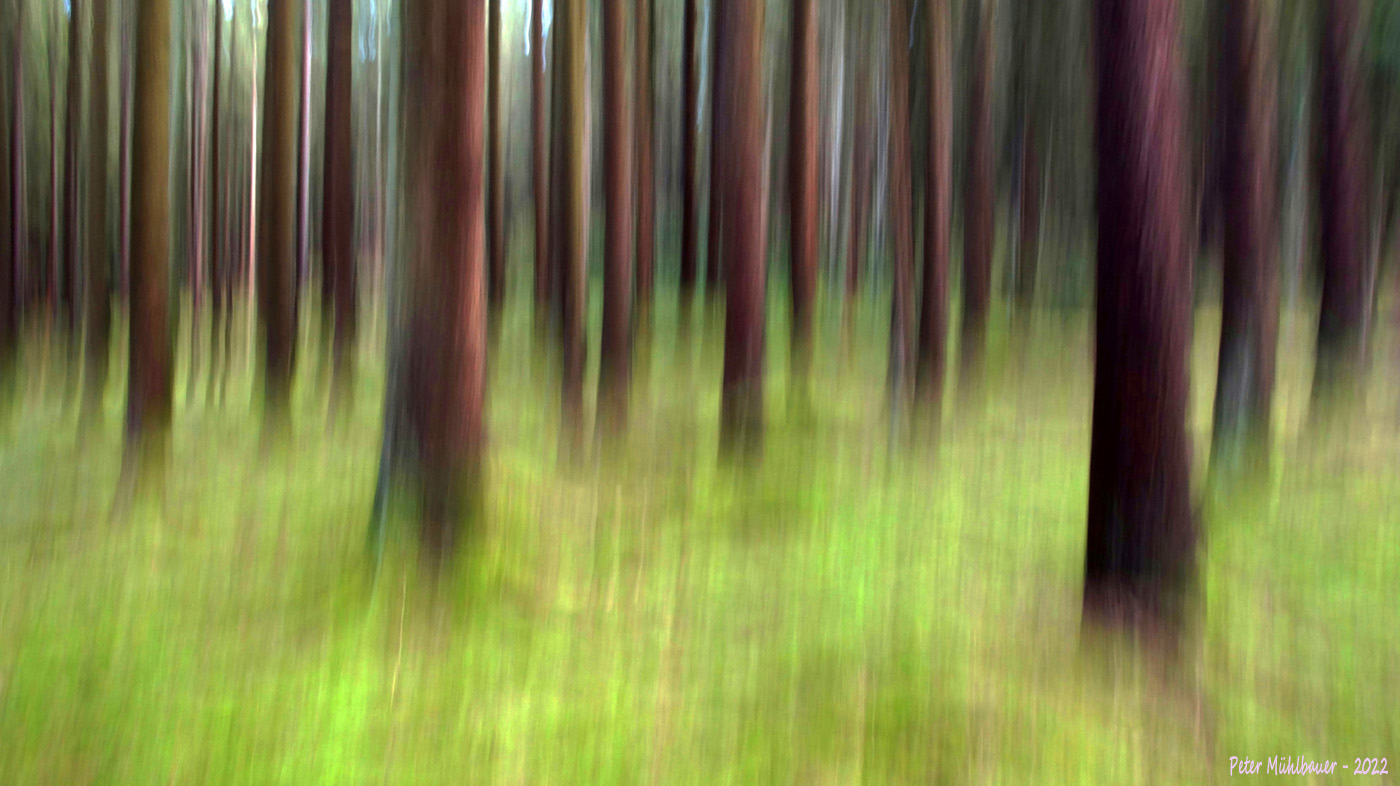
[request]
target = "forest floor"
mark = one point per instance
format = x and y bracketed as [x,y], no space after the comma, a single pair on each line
[838,612]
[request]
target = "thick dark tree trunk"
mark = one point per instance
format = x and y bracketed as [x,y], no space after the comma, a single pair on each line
[10,291]
[496,176]
[149,370]
[1029,100]
[690,164]
[303,148]
[714,273]
[338,225]
[277,253]
[1343,186]
[1249,296]
[901,197]
[938,212]
[1141,537]
[646,178]
[444,101]
[978,200]
[70,171]
[571,239]
[805,97]
[614,365]
[744,127]
[99,296]
[539,161]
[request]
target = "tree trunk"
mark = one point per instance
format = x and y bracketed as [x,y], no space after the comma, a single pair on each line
[99,296]
[10,291]
[901,209]
[1249,294]
[1141,538]
[805,97]
[277,250]
[303,148]
[718,113]
[1029,101]
[444,102]
[125,88]
[72,119]
[149,370]
[860,189]
[496,218]
[740,86]
[614,365]
[690,164]
[646,174]
[571,19]
[218,253]
[338,226]
[540,167]
[979,197]
[56,300]
[938,212]
[1342,187]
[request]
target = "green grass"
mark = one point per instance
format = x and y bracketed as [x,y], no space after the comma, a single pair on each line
[838,613]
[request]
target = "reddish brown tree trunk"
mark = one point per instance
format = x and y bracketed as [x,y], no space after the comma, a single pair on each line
[571,239]
[690,165]
[805,97]
[338,224]
[746,231]
[614,370]
[646,174]
[539,168]
[714,272]
[978,198]
[10,275]
[149,370]
[938,212]
[445,85]
[496,218]
[99,297]
[1249,295]
[1343,186]
[901,208]
[1141,537]
[277,250]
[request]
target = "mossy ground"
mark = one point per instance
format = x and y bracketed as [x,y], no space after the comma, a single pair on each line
[837,612]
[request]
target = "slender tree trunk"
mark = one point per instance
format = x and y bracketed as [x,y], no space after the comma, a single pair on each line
[99,296]
[218,253]
[278,249]
[690,164]
[445,85]
[615,363]
[646,176]
[125,88]
[901,209]
[746,233]
[56,300]
[860,189]
[1141,538]
[303,148]
[979,198]
[149,371]
[496,183]
[571,19]
[338,226]
[803,188]
[540,166]
[10,290]
[714,273]
[197,241]
[1029,102]
[72,112]
[1343,188]
[938,212]
[1249,295]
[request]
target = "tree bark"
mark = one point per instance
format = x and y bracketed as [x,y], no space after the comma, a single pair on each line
[690,164]
[646,173]
[860,189]
[901,210]
[614,369]
[1141,538]
[444,101]
[571,19]
[9,277]
[1028,102]
[745,236]
[99,296]
[72,113]
[714,273]
[540,165]
[218,252]
[1343,188]
[1249,295]
[979,204]
[496,183]
[149,370]
[803,189]
[278,242]
[938,212]
[338,225]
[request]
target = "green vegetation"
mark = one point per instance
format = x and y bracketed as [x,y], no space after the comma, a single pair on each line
[837,613]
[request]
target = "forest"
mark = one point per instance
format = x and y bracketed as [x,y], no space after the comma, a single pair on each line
[699,391]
